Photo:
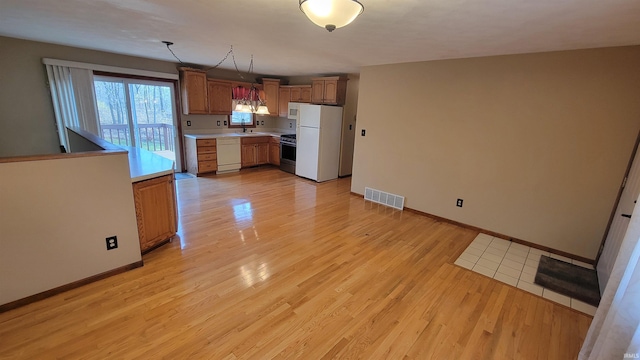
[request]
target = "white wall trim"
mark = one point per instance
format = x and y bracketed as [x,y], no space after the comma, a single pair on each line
[112,69]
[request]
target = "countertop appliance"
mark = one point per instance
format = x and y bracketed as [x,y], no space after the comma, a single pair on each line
[288,153]
[228,153]
[318,130]
[294,110]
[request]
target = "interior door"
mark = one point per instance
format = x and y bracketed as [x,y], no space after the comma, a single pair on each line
[619,222]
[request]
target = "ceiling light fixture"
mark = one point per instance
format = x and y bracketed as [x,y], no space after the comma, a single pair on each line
[248,100]
[331,14]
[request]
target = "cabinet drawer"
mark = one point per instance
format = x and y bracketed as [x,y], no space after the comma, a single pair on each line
[206,149]
[207,166]
[255,140]
[206,142]
[207,157]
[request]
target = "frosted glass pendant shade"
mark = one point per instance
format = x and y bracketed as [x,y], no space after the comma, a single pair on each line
[331,14]
[262,110]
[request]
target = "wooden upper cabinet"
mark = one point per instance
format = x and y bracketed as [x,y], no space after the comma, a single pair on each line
[317,92]
[293,93]
[300,93]
[219,95]
[329,90]
[305,94]
[284,97]
[271,88]
[193,86]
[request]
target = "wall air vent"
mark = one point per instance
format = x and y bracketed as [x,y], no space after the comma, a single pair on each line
[384,198]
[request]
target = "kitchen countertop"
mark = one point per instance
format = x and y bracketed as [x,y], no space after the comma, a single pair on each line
[235,134]
[145,165]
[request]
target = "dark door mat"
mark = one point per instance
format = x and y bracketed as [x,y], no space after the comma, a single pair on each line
[568,279]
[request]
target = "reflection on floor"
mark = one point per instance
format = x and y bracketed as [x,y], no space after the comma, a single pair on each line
[516,265]
[269,265]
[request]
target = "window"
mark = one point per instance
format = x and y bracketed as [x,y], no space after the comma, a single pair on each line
[139,113]
[242,119]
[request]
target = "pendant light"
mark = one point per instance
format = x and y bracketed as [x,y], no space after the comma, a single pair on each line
[331,14]
[245,100]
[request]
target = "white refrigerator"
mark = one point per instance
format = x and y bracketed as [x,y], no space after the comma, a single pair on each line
[318,132]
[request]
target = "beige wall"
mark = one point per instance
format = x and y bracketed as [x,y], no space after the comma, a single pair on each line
[56,215]
[535,144]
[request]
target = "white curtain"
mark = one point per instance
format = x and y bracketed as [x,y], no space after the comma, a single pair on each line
[73,99]
[615,332]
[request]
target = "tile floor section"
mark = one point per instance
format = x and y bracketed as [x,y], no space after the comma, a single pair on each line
[516,265]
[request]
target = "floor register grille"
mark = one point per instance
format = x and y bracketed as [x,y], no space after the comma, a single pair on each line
[384,198]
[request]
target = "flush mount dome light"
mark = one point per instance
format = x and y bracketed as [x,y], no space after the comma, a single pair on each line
[331,14]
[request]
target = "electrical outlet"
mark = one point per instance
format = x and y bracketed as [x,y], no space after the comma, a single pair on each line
[188,123]
[350,126]
[112,242]
[459,203]
[261,122]
[363,132]
[218,123]
[290,125]
[225,123]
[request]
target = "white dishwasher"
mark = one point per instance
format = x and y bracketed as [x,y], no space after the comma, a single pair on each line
[228,149]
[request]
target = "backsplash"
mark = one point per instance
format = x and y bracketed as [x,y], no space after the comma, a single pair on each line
[202,124]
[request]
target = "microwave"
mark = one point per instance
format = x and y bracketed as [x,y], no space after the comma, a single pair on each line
[294,111]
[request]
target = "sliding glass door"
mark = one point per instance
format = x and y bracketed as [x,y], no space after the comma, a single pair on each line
[138,113]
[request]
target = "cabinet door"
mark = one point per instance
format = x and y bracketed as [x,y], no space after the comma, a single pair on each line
[317,92]
[248,157]
[284,97]
[219,93]
[194,92]
[271,90]
[330,91]
[155,211]
[262,153]
[274,154]
[305,94]
[295,94]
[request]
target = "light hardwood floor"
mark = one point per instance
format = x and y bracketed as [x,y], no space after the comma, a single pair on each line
[268,265]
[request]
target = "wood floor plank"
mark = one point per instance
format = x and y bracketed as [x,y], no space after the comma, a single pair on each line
[267,265]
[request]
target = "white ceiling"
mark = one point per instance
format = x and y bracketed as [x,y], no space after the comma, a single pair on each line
[284,42]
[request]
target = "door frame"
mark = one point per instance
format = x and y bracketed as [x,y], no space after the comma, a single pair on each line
[617,202]
[180,167]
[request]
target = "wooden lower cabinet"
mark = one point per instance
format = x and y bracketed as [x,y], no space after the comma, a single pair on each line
[274,151]
[248,155]
[255,151]
[201,155]
[155,203]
